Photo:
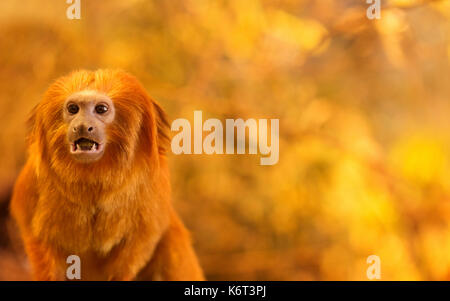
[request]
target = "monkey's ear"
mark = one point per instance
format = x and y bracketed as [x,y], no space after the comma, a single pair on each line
[35,132]
[163,128]
[31,125]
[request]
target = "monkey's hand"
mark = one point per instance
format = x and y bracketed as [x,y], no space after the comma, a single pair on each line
[23,202]
[43,261]
[130,256]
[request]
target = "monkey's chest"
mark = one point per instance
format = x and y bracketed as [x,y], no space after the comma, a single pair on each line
[78,229]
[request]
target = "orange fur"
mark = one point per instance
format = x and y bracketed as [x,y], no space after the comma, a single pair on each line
[115,213]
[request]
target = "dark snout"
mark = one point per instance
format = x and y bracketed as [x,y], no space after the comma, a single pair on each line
[86,138]
[84,128]
[87,114]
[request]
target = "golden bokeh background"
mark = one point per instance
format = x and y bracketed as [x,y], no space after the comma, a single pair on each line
[364,122]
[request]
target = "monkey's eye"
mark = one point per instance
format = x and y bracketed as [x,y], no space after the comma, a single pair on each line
[73,108]
[100,109]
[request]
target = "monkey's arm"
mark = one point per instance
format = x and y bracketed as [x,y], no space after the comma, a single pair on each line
[43,260]
[174,259]
[24,199]
[128,257]
[23,204]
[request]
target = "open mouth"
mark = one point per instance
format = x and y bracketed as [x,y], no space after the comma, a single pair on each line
[84,145]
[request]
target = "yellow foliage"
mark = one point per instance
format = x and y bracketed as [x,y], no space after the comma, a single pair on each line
[362,105]
[306,34]
[421,158]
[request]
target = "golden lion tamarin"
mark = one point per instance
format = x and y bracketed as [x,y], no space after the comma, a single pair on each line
[96,184]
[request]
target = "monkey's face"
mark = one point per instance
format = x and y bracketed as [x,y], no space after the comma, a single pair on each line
[87,115]
[93,125]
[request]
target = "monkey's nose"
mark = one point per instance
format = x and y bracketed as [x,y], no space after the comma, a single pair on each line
[82,128]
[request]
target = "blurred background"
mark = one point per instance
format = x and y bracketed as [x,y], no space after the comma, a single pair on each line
[364,122]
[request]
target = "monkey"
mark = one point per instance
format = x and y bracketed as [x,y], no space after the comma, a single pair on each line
[96,184]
